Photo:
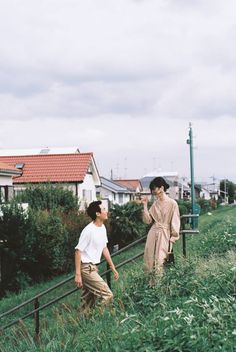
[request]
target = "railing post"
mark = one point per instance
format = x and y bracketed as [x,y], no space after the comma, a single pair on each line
[108,276]
[183,235]
[35,300]
[36,318]
[184,244]
[114,249]
[184,231]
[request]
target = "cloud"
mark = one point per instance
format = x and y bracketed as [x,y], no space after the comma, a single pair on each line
[134,147]
[130,74]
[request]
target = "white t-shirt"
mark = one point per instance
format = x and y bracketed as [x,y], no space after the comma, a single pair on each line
[92,241]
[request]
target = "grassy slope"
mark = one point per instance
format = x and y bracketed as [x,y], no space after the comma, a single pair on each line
[191,308]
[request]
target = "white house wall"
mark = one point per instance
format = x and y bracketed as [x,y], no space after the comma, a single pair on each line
[5,180]
[115,198]
[87,191]
[126,198]
[205,194]
[106,194]
[173,192]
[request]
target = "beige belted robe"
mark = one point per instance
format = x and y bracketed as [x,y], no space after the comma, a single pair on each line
[165,228]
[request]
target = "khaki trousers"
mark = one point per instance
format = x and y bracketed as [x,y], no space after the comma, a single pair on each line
[93,287]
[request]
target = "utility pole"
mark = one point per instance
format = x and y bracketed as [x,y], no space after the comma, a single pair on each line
[225,198]
[190,142]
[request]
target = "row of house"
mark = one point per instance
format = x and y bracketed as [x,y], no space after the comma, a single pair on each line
[77,172]
[72,170]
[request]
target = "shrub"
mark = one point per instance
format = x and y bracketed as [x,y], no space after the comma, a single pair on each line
[48,197]
[126,224]
[184,207]
[205,205]
[49,242]
[13,224]
[37,245]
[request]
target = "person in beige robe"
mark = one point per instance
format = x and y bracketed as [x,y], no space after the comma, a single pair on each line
[164,213]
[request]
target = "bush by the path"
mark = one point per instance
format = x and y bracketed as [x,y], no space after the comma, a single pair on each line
[192,307]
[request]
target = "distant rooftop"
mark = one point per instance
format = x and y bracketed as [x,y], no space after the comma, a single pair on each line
[41,168]
[5,168]
[132,184]
[113,186]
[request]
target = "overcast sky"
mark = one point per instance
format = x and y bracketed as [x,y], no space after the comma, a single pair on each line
[123,79]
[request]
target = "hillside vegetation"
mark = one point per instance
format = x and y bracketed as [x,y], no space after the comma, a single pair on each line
[192,307]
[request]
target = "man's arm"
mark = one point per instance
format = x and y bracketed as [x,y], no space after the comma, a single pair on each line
[106,255]
[78,278]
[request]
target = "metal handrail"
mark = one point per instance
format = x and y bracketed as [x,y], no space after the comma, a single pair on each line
[183,231]
[39,295]
[190,231]
[36,310]
[65,294]
[189,216]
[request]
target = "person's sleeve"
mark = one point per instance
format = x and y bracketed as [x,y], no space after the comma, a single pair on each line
[105,239]
[147,218]
[175,224]
[83,240]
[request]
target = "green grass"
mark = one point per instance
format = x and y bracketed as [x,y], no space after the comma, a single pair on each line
[192,307]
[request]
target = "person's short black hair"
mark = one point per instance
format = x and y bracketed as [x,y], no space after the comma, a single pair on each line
[158,182]
[94,208]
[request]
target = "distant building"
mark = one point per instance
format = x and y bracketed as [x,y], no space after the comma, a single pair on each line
[201,192]
[7,173]
[76,172]
[114,192]
[172,178]
[213,189]
[132,184]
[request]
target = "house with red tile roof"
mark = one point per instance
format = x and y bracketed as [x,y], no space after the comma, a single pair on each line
[75,171]
[132,184]
[7,173]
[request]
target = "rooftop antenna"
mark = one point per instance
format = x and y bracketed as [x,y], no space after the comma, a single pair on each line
[125,168]
[117,170]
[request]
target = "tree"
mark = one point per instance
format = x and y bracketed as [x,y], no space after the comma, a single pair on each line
[48,197]
[228,189]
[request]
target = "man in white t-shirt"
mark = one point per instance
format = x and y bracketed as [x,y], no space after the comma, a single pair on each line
[92,245]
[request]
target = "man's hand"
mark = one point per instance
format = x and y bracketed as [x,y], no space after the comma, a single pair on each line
[107,256]
[116,274]
[78,280]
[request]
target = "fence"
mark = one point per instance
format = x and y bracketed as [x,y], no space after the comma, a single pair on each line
[36,299]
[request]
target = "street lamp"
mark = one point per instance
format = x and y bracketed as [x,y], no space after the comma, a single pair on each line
[190,142]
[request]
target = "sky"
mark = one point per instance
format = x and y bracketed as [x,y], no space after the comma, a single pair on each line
[122,79]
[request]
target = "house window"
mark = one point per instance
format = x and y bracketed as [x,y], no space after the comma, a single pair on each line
[2,195]
[120,197]
[6,193]
[18,192]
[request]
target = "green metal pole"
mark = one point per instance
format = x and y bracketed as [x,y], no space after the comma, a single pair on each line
[190,142]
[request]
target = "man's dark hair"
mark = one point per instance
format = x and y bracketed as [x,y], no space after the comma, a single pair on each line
[94,208]
[158,182]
